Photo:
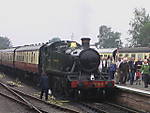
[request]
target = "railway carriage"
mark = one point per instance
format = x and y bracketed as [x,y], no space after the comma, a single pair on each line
[7,57]
[27,58]
[137,52]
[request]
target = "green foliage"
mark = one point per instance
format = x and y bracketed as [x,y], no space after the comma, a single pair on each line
[5,43]
[108,38]
[144,39]
[140,19]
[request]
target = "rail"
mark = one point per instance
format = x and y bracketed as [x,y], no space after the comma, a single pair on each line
[22,99]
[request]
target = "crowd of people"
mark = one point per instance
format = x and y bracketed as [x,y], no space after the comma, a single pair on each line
[127,69]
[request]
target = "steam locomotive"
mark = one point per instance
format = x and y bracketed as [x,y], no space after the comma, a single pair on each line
[72,68]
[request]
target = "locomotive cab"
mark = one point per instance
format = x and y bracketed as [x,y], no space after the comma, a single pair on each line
[56,58]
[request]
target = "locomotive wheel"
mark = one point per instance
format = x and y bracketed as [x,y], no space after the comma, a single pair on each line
[36,78]
[79,95]
[108,93]
[56,86]
[66,90]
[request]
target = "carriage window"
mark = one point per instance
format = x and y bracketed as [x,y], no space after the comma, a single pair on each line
[10,58]
[32,57]
[126,55]
[101,56]
[23,56]
[140,56]
[20,56]
[27,57]
[120,55]
[133,55]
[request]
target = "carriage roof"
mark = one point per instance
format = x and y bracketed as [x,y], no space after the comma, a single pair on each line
[8,50]
[134,50]
[29,48]
[107,50]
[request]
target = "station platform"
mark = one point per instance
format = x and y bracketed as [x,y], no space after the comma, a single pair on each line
[134,87]
[134,96]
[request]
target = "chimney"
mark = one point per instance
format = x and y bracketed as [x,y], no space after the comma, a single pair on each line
[85,42]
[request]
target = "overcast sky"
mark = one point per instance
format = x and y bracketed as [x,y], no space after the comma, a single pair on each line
[34,21]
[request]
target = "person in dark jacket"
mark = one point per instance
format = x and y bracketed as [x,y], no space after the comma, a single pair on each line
[44,84]
[131,70]
[138,65]
[112,70]
[124,71]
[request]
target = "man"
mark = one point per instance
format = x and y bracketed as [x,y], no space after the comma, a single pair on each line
[131,70]
[112,70]
[138,65]
[124,70]
[44,84]
[103,65]
[117,76]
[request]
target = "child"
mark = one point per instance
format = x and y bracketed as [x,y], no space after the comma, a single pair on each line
[138,77]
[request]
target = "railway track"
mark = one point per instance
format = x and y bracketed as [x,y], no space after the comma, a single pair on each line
[39,106]
[113,108]
[103,107]
[33,103]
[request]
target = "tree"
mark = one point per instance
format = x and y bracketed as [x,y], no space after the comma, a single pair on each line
[144,39]
[5,43]
[108,38]
[140,19]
